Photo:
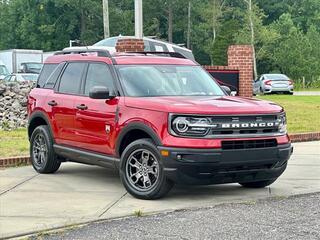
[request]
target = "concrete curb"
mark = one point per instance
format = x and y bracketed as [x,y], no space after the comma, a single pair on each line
[25,160]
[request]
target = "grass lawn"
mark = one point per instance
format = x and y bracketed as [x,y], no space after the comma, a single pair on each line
[303,112]
[303,115]
[14,143]
[307,90]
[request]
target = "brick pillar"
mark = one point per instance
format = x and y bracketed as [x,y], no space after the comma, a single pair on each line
[240,57]
[130,45]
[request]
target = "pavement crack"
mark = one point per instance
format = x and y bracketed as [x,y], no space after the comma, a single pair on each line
[19,184]
[114,203]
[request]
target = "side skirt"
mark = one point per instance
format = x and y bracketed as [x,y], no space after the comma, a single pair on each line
[86,157]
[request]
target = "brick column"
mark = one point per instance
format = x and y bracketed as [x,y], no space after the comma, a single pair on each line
[130,45]
[240,57]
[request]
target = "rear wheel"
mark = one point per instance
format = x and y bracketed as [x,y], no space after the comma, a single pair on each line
[141,171]
[258,184]
[42,154]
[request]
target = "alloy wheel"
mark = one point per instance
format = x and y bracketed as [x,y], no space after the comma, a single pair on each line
[142,169]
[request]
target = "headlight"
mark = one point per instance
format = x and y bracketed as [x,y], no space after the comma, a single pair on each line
[283,123]
[190,126]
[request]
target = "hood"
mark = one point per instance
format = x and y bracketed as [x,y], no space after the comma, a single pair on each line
[204,105]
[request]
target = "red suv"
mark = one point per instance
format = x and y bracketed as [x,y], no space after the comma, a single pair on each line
[159,119]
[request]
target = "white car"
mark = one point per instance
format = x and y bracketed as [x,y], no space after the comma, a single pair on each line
[273,83]
[150,44]
[20,77]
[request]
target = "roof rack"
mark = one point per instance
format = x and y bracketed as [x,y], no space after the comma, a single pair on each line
[171,54]
[100,52]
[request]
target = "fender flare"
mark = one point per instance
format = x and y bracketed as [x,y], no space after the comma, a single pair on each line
[42,115]
[137,126]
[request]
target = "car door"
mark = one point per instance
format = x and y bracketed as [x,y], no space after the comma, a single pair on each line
[95,118]
[61,101]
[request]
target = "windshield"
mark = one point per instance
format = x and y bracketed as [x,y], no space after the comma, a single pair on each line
[276,77]
[3,70]
[108,42]
[167,80]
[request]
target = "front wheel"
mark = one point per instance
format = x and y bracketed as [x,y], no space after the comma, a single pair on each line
[258,184]
[141,171]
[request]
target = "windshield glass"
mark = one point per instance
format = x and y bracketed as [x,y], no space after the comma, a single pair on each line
[276,77]
[167,80]
[108,42]
[3,70]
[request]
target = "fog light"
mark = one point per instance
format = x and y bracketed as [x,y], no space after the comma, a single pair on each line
[179,157]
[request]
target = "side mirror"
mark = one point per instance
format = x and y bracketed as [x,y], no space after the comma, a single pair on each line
[100,92]
[226,89]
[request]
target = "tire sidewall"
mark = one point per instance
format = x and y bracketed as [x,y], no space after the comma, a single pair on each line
[44,131]
[141,144]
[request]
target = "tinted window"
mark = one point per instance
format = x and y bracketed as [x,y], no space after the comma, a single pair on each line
[98,75]
[45,73]
[54,76]
[71,78]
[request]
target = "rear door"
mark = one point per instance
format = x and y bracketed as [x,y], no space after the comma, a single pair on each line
[95,118]
[62,101]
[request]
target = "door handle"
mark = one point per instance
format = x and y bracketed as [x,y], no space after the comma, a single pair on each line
[52,103]
[82,107]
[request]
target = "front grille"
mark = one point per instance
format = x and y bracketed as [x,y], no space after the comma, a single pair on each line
[248,144]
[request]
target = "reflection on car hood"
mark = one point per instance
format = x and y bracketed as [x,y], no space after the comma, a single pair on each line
[204,105]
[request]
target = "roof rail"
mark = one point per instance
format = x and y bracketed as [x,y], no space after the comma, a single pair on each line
[171,54]
[100,52]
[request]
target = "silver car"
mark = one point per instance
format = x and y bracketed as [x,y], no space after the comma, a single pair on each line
[273,83]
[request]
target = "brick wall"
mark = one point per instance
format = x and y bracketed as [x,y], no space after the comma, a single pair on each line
[130,45]
[240,57]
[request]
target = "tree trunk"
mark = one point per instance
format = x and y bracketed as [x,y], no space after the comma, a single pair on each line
[83,26]
[170,21]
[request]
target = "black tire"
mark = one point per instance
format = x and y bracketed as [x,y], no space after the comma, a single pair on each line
[160,185]
[258,184]
[48,162]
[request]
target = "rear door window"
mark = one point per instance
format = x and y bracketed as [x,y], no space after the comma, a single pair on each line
[70,81]
[46,71]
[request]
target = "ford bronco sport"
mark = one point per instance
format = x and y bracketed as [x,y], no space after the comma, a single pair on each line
[158,118]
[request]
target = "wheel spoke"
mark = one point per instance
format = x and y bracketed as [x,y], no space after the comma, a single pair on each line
[146,181]
[145,156]
[137,176]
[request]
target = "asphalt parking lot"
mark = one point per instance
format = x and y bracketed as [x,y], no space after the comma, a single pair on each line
[287,218]
[77,193]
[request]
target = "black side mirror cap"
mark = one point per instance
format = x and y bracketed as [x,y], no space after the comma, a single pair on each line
[226,89]
[100,92]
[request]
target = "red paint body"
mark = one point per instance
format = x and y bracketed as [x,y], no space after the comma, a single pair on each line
[85,129]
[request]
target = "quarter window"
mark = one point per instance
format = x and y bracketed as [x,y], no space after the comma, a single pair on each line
[98,75]
[71,78]
[45,73]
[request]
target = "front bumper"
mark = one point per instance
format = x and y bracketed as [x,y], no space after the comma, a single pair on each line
[215,166]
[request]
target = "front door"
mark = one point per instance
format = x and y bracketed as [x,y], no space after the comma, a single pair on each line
[95,118]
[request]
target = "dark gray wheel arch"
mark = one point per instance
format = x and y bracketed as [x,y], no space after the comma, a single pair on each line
[34,120]
[136,126]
